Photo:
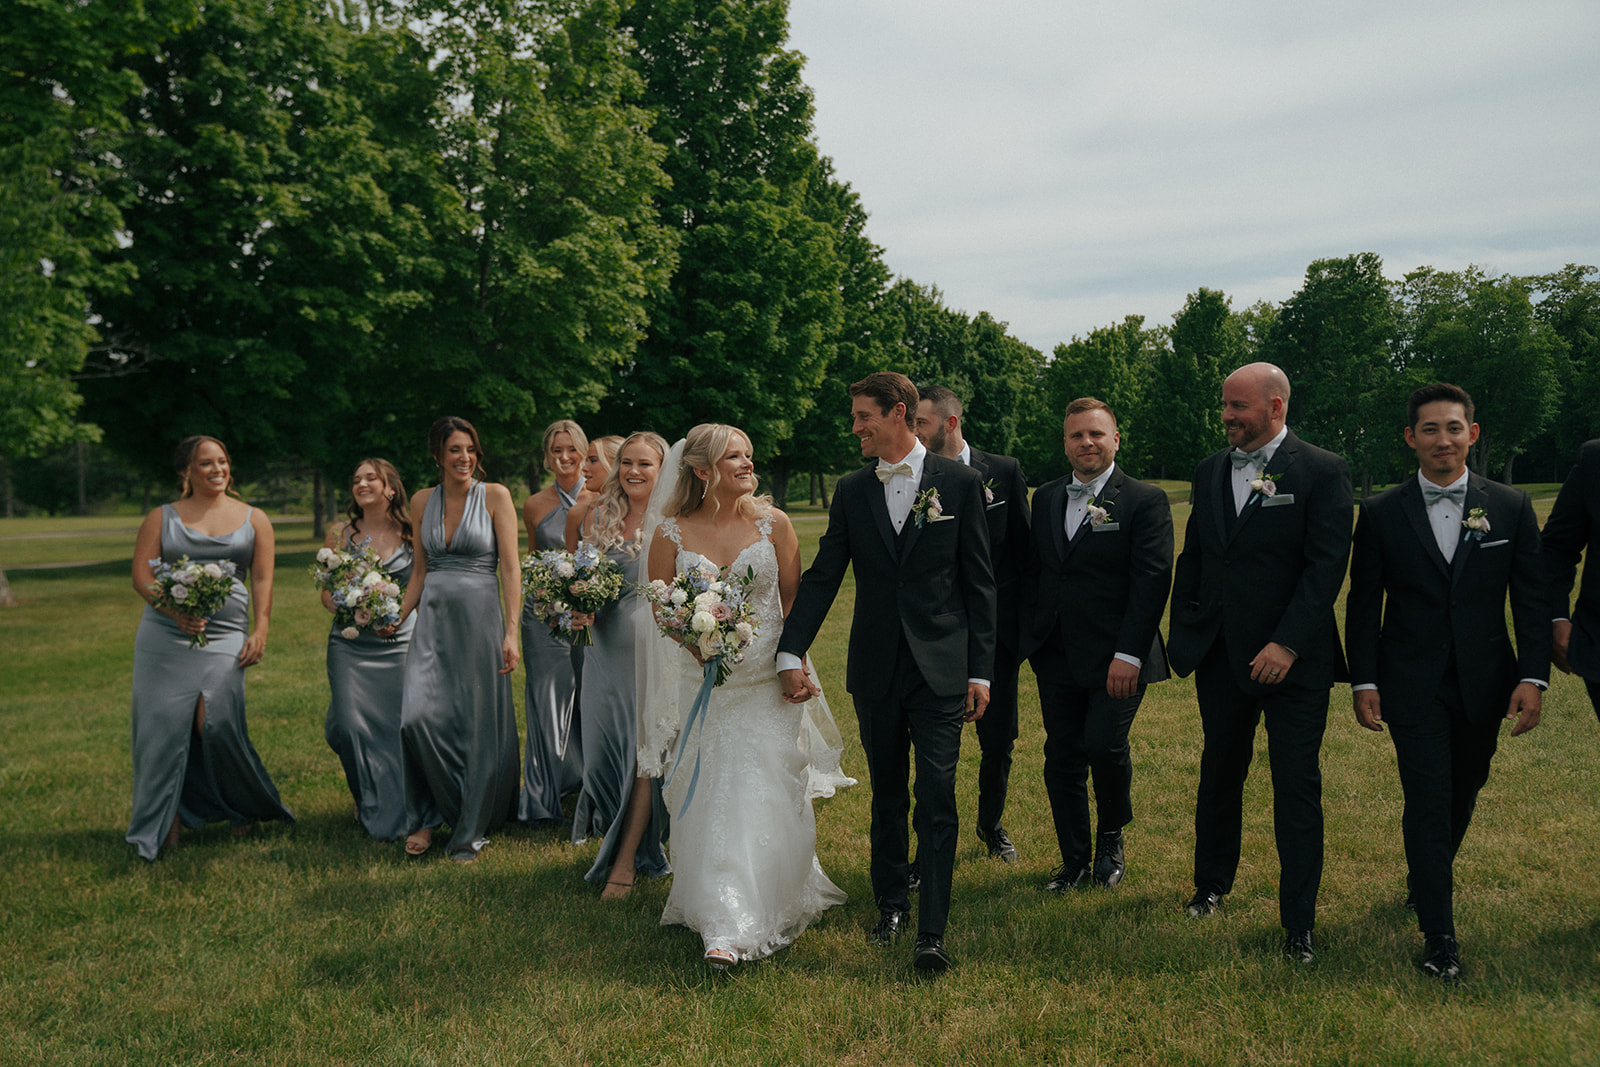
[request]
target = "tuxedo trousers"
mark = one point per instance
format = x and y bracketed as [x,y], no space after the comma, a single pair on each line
[1593,685]
[1086,731]
[997,736]
[912,718]
[1296,718]
[1443,760]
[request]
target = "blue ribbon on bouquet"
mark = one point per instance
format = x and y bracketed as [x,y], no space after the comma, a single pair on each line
[697,717]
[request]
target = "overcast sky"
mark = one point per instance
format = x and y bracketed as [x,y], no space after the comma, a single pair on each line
[1061,165]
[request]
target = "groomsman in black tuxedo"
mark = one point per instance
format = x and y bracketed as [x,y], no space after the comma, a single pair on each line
[1435,559]
[1263,558]
[911,527]
[1573,525]
[1101,565]
[1005,507]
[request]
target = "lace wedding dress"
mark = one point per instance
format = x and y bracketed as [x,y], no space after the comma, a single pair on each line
[745,871]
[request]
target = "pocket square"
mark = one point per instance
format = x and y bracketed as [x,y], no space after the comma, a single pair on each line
[1281,500]
[996,504]
[1494,544]
[940,518]
[1105,527]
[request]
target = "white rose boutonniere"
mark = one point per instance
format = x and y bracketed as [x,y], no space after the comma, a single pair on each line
[1098,516]
[927,507]
[1477,524]
[988,492]
[1265,484]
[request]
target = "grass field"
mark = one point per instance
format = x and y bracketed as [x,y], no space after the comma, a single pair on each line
[312,944]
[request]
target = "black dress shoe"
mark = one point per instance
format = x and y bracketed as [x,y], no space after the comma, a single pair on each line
[1067,878]
[931,955]
[913,877]
[1297,947]
[1441,957]
[1108,862]
[999,844]
[891,924]
[1203,903]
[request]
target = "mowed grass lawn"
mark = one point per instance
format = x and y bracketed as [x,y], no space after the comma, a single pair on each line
[311,944]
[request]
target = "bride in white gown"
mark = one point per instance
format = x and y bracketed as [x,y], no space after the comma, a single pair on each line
[743,839]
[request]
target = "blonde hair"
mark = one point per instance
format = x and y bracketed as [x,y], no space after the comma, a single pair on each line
[611,509]
[566,426]
[703,447]
[610,447]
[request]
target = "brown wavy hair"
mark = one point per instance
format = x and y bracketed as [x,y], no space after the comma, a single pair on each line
[440,432]
[399,509]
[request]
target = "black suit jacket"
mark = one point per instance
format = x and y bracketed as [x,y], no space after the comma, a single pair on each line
[1574,525]
[935,585]
[1408,609]
[1103,592]
[1271,574]
[1008,518]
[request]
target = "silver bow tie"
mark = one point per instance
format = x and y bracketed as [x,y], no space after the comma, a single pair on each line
[1433,494]
[1077,490]
[1244,459]
[889,470]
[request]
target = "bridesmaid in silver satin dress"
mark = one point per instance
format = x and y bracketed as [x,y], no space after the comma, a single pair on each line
[366,674]
[602,456]
[610,700]
[458,721]
[553,760]
[193,762]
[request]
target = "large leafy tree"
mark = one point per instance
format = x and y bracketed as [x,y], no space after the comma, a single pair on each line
[1182,407]
[1336,340]
[1481,333]
[1569,303]
[1113,363]
[748,325]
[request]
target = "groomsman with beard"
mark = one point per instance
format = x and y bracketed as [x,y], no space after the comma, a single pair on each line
[911,527]
[1101,565]
[1435,560]
[1574,525]
[1263,558]
[1005,508]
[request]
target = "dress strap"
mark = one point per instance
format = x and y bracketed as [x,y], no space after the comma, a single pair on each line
[670,528]
[764,524]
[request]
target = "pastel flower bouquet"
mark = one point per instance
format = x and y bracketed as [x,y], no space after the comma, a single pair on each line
[558,584]
[191,588]
[707,609]
[365,596]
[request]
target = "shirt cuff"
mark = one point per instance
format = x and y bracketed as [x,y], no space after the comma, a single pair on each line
[788,661]
[1124,657]
[979,681]
[1540,682]
[1363,687]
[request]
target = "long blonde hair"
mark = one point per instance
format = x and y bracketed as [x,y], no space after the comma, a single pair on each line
[703,447]
[611,510]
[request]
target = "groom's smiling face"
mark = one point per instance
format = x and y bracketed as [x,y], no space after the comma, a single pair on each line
[876,430]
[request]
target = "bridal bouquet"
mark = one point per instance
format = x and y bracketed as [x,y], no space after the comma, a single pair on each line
[556,584]
[707,609]
[365,596]
[191,588]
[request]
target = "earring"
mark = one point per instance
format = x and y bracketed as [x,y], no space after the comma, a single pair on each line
[705,488]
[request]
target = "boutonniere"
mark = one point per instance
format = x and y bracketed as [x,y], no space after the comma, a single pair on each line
[1477,524]
[988,491]
[1098,516]
[1265,484]
[927,508]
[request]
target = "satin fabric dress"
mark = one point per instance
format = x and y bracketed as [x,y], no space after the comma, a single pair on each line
[458,721]
[745,871]
[611,734]
[366,678]
[553,760]
[220,779]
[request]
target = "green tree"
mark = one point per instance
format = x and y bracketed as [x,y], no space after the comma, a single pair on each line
[1481,333]
[1207,341]
[1336,340]
[1113,363]
[747,327]
[1569,303]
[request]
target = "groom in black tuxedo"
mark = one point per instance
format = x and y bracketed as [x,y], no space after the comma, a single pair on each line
[1435,560]
[921,642]
[1264,555]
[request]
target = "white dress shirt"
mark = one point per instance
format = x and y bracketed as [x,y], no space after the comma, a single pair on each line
[1445,517]
[1243,476]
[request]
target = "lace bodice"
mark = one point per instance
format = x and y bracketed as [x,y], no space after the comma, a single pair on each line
[763,597]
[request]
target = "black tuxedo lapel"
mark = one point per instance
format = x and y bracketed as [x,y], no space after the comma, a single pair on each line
[878,507]
[1055,513]
[1282,460]
[1226,520]
[1416,510]
[1477,497]
[930,480]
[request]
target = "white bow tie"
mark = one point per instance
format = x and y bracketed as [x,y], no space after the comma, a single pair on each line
[887,471]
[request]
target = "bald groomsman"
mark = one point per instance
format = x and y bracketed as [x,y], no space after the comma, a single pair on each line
[1435,560]
[1100,568]
[1263,558]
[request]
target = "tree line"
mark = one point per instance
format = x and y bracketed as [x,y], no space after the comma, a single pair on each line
[309,228]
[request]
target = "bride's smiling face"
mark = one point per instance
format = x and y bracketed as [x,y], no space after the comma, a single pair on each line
[737,467]
[637,468]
